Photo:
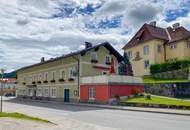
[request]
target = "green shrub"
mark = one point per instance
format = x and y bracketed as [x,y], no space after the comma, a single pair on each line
[169,66]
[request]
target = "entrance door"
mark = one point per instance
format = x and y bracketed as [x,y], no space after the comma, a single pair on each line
[66,95]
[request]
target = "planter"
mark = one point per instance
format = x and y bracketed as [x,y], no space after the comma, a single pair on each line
[33,82]
[45,81]
[94,61]
[61,80]
[108,63]
[71,79]
[52,81]
[39,82]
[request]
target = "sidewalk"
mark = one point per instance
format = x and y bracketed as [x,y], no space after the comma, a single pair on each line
[124,108]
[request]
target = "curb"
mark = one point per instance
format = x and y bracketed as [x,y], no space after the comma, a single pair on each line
[109,107]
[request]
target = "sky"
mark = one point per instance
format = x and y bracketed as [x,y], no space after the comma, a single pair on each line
[31,29]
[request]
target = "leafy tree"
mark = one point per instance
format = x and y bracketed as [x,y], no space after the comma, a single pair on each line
[122,66]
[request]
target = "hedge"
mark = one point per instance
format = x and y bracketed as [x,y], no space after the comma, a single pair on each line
[169,66]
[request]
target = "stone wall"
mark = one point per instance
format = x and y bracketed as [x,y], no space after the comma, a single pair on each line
[179,90]
[175,74]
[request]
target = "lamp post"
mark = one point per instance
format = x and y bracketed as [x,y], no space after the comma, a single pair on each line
[2,72]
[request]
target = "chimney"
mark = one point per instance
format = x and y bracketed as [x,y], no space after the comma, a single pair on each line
[175,26]
[42,59]
[153,23]
[88,45]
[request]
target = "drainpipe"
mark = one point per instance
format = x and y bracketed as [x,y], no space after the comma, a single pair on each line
[78,71]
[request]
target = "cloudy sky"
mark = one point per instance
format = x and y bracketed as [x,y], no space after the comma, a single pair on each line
[31,29]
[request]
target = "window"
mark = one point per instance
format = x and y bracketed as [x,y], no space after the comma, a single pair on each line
[108,59]
[93,56]
[188,45]
[53,92]
[46,76]
[39,92]
[39,77]
[159,48]
[137,54]
[146,50]
[129,54]
[30,92]
[46,92]
[91,93]
[173,46]
[72,72]
[53,75]
[62,74]
[146,64]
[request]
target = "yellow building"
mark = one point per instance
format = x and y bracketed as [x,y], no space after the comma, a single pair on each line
[59,78]
[152,44]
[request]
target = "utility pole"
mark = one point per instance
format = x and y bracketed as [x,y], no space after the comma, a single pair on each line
[2,72]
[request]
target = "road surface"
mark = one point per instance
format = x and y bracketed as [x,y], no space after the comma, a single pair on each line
[69,117]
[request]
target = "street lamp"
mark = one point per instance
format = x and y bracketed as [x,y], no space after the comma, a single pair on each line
[2,72]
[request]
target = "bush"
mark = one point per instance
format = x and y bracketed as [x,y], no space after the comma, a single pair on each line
[169,66]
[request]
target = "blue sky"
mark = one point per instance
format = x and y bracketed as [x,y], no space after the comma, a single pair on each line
[31,29]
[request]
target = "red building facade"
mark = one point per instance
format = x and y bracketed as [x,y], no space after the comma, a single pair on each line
[103,88]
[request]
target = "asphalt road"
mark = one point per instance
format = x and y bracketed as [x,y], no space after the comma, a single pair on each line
[85,118]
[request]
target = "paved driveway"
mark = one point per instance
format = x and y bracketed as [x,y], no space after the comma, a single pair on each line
[84,118]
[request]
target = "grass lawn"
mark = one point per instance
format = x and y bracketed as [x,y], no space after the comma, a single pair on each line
[158,100]
[151,80]
[22,116]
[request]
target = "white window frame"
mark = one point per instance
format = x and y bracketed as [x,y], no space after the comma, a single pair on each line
[91,93]
[95,55]
[146,66]
[53,75]
[146,50]
[61,74]
[53,92]
[129,54]
[46,93]
[40,77]
[159,48]
[173,45]
[39,92]
[108,57]
[45,76]
[188,45]
[71,70]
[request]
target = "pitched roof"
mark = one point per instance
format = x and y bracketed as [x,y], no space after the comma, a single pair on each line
[83,51]
[148,32]
[178,34]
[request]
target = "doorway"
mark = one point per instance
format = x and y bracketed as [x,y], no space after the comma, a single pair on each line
[66,95]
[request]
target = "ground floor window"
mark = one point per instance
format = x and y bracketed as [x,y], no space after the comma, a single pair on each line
[46,92]
[39,92]
[91,93]
[30,92]
[53,92]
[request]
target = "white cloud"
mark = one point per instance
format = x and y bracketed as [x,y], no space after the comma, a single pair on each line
[28,30]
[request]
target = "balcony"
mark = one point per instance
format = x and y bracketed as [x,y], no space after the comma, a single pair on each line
[118,79]
[33,82]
